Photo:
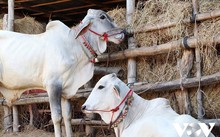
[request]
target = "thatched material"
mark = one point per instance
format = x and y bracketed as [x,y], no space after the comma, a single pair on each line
[165,67]
[211,101]
[27,25]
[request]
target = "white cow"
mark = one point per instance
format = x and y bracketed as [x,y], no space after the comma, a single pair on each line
[59,61]
[132,116]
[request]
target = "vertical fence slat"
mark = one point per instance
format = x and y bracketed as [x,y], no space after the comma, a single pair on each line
[15,119]
[130,9]
[90,132]
[7,110]
[11,28]
[198,61]
[10,15]
[185,67]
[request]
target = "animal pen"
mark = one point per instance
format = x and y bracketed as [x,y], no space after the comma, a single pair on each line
[172,50]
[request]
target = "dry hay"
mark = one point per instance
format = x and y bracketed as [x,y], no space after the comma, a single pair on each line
[27,25]
[210,99]
[165,67]
[161,68]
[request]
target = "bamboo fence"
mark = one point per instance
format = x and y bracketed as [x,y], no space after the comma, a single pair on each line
[132,52]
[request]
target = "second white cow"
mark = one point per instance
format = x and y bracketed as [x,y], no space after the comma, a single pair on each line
[132,116]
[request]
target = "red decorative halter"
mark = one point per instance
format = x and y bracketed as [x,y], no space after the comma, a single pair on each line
[89,47]
[129,98]
[105,35]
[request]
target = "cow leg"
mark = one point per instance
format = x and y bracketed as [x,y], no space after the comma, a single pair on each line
[67,114]
[54,93]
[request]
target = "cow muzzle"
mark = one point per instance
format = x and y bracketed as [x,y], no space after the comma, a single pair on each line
[84,109]
[116,35]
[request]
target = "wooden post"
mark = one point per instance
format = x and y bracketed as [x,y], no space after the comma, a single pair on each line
[10,15]
[198,61]
[31,123]
[182,96]
[5,22]
[15,119]
[7,119]
[90,132]
[130,8]
[7,110]
[11,28]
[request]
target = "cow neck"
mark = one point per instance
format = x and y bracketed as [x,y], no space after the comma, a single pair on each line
[136,110]
[88,49]
[129,98]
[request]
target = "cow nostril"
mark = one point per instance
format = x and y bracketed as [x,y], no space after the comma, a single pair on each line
[83,107]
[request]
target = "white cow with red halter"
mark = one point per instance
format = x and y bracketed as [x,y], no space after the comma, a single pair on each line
[132,116]
[59,60]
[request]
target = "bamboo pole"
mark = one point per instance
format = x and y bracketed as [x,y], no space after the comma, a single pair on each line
[10,15]
[7,119]
[84,122]
[198,62]
[11,28]
[90,132]
[97,123]
[157,49]
[140,88]
[185,66]
[15,119]
[164,25]
[131,74]
[31,123]
[7,110]
[175,84]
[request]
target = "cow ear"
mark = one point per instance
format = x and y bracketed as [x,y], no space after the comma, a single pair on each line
[102,45]
[117,90]
[83,27]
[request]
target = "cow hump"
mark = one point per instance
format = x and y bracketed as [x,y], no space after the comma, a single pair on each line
[56,25]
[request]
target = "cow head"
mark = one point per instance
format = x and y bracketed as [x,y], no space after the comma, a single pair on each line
[106,95]
[98,26]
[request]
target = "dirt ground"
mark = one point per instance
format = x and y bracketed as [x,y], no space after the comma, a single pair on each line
[34,132]
[41,133]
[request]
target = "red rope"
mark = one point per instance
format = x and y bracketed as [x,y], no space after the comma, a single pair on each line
[117,107]
[105,35]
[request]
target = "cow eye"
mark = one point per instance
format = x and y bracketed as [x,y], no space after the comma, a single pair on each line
[100,87]
[102,17]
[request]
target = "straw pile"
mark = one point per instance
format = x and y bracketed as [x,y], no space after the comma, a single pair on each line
[165,67]
[27,25]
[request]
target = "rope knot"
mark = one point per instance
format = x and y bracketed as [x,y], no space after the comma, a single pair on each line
[115,109]
[105,35]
